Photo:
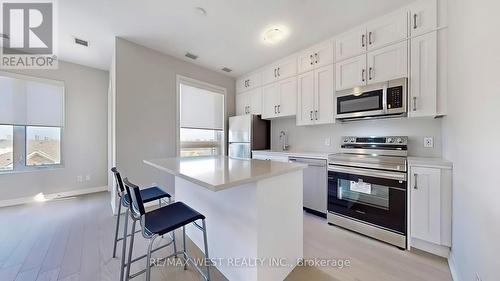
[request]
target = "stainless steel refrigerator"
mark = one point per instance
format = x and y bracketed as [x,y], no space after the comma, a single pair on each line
[247,133]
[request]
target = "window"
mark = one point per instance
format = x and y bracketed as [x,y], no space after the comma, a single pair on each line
[201,131]
[43,146]
[6,148]
[32,118]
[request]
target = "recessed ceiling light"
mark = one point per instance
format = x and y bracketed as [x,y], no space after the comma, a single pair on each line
[274,35]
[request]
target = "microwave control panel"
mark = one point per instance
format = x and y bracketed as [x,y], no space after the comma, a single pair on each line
[395,97]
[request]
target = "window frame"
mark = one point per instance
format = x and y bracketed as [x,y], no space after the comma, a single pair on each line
[13,152]
[60,164]
[205,86]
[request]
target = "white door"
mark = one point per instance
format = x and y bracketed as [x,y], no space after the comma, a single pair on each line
[423,73]
[324,93]
[287,105]
[242,103]
[351,73]
[350,44]
[425,186]
[305,98]
[388,63]
[270,100]
[256,101]
[387,30]
[423,17]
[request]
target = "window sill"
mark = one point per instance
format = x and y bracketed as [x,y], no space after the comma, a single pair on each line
[33,169]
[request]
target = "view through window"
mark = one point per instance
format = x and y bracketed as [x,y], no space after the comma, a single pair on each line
[6,147]
[43,146]
[201,121]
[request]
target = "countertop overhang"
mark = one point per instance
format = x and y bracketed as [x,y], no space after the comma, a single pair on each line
[221,172]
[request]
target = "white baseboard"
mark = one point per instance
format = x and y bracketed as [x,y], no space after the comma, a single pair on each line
[26,200]
[453,267]
[429,247]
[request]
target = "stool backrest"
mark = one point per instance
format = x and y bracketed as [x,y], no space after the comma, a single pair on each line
[135,197]
[119,182]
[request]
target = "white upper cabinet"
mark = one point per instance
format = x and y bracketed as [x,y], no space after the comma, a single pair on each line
[350,44]
[423,17]
[386,30]
[281,70]
[317,56]
[350,73]
[249,102]
[315,97]
[249,82]
[388,63]
[280,99]
[423,76]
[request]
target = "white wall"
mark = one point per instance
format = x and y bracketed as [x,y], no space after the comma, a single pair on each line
[312,138]
[146,108]
[84,137]
[471,135]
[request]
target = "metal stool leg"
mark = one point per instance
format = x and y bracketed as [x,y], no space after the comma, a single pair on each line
[148,259]
[206,249]
[117,227]
[184,250]
[124,245]
[131,247]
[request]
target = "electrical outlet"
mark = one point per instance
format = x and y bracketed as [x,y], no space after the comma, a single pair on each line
[328,141]
[79,178]
[87,177]
[429,142]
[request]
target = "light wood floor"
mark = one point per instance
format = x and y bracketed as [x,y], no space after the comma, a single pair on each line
[71,240]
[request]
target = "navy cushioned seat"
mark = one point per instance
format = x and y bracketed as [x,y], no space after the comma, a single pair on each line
[149,195]
[170,217]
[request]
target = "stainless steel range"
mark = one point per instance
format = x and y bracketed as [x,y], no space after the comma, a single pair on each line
[367,190]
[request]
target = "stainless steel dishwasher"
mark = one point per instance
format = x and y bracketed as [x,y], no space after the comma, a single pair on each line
[315,184]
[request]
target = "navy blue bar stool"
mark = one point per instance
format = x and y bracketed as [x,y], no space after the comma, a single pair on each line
[161,221]
[148,195]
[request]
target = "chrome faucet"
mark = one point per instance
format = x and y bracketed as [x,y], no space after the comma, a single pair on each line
[284,140]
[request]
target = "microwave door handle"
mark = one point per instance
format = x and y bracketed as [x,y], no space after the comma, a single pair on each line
[384,99]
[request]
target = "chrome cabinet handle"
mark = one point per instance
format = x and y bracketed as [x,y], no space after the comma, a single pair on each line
[279,72]
[317,58]
[363,75]
[370,73]
[370,38]
[415,21]
[316,114]
[275,112]
[311,115]
[311,58]
[416,178]
[279,105]
[414,103]
[275,73]
[363,40]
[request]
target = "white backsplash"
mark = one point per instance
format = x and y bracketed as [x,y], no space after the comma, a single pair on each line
[315,138]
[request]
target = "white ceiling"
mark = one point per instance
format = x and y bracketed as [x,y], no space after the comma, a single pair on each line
[229,35]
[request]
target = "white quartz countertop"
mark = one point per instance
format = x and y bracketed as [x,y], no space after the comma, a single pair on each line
[304,154]
[221,172]
[430,162]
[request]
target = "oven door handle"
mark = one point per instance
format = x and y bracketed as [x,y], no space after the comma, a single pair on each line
[368,173]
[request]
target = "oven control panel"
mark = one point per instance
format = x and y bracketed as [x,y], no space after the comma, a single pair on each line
[395,140]
[395,97]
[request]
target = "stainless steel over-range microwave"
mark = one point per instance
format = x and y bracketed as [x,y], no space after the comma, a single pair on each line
[387,99]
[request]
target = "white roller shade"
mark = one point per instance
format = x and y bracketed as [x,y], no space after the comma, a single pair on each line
[201,108]
[31,101]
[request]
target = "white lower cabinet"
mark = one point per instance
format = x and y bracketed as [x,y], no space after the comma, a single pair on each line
[315,97]
[430,209]
[249,102]
[277,158]
[280,99]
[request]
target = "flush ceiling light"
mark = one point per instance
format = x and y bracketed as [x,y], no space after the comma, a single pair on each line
[274,35]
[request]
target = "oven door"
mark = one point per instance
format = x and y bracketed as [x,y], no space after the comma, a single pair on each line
[371,196]
[363,105]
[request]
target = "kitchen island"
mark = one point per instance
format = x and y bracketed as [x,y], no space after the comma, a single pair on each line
[253,211]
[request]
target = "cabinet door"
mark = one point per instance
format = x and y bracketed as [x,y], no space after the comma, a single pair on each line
[256,101]
[287,105]
[423,17]
[305,99]
[242,103]
[270,100]
[388,63]
[425,186]
[324,93]
[351,73]
[249,82]
[423,75]
[269,74]
[387,30]
[287,68]
[305,61]
[350,44]
[323,54]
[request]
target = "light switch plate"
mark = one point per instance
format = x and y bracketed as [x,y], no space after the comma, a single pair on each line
[429,142]
[327,141]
